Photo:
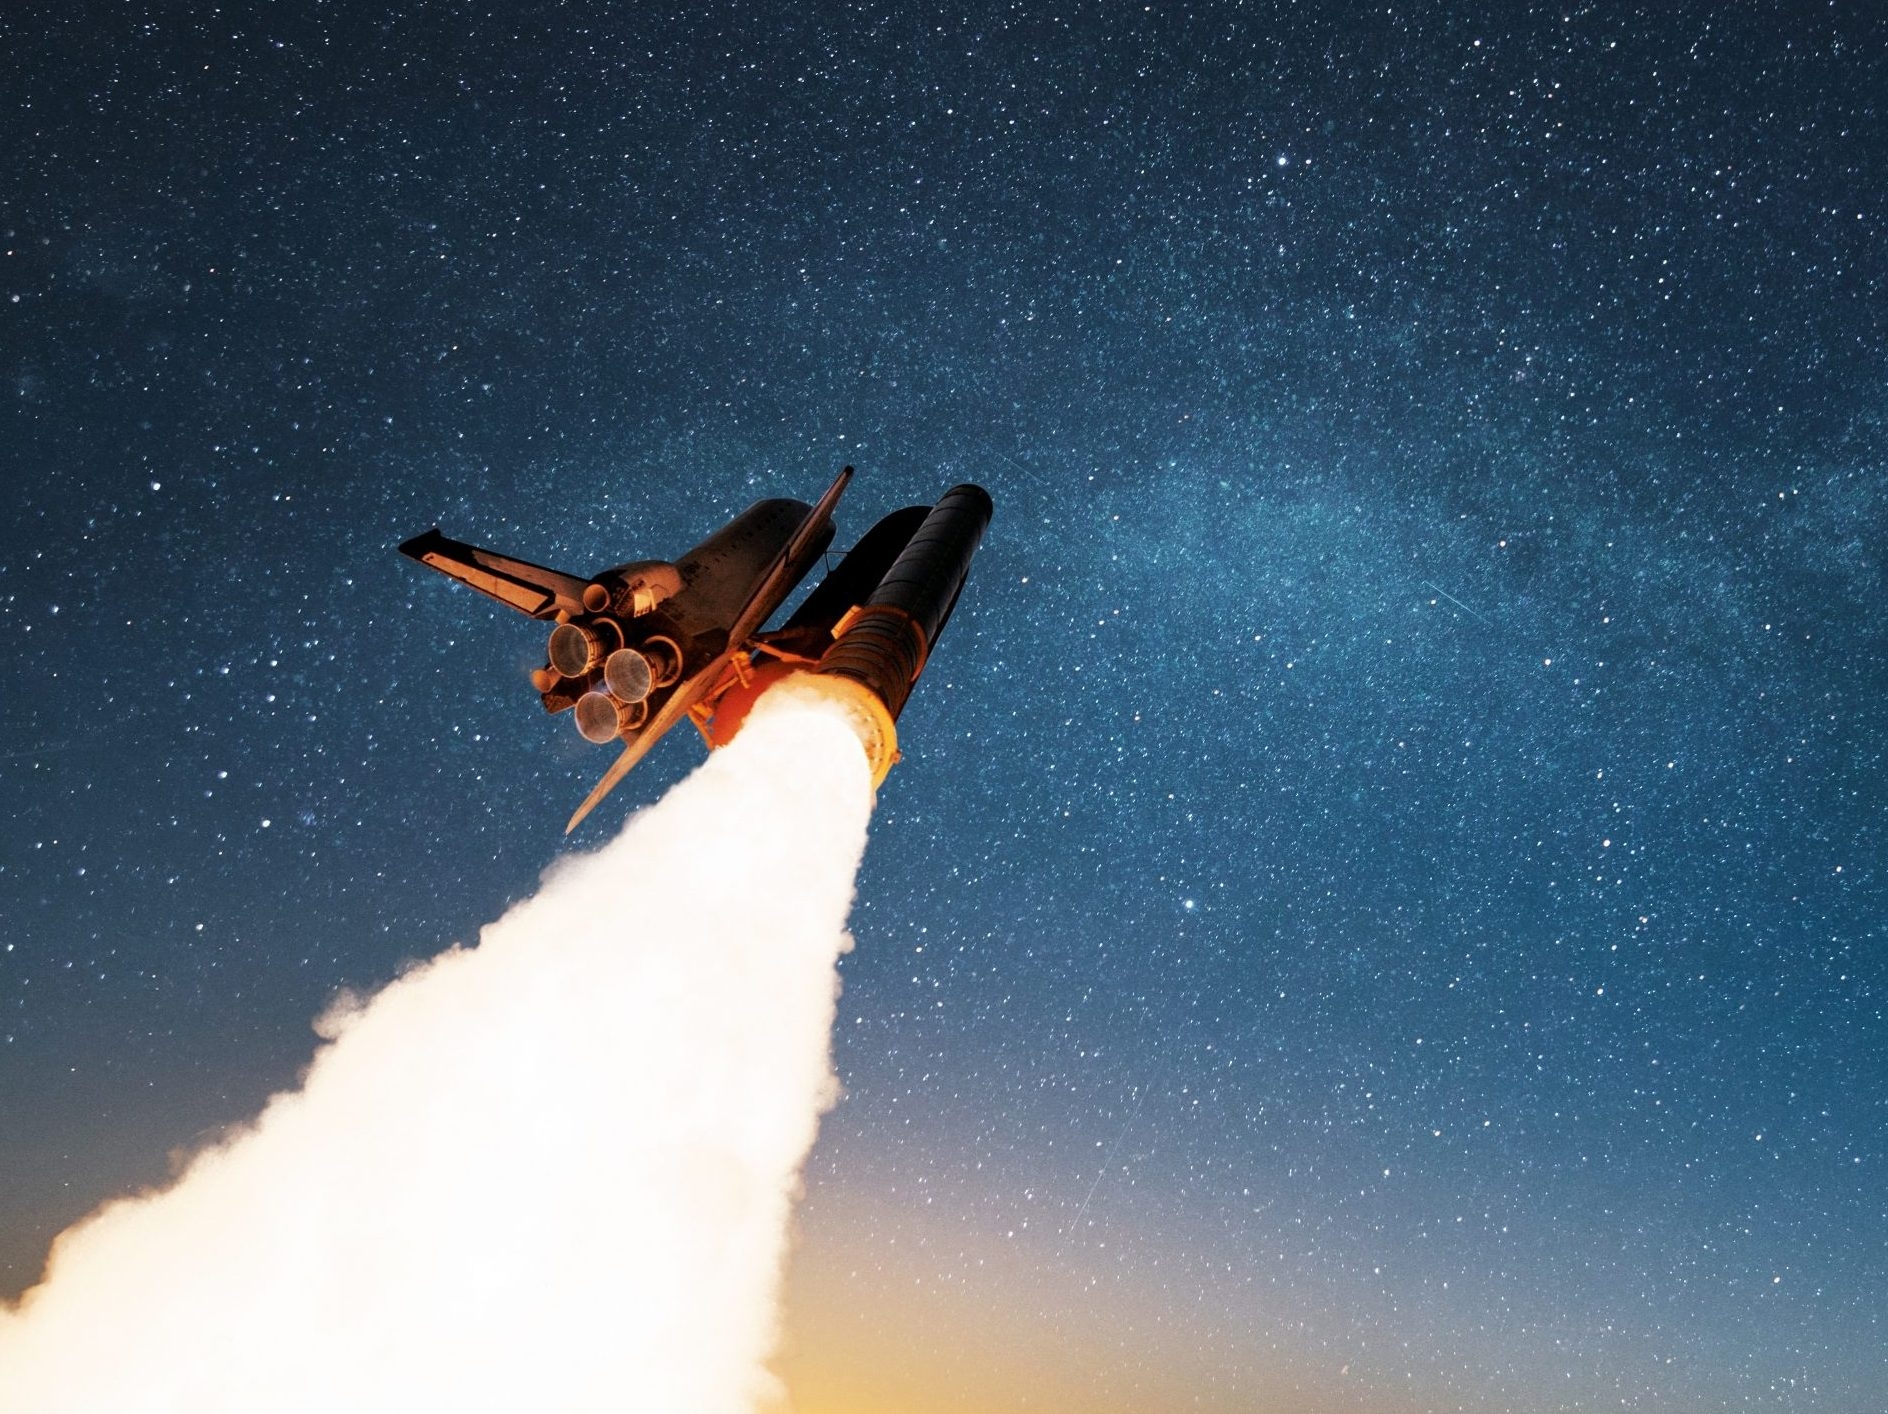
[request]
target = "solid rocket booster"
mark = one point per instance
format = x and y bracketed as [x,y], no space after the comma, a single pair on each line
[880,647]
[864,634]
[884,642]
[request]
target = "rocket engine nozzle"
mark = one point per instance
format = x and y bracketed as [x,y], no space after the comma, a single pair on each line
[596,717]
[628,675]
[578,648]
[602,718]
[664,656]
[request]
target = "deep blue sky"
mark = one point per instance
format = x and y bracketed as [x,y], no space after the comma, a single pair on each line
[1384,905]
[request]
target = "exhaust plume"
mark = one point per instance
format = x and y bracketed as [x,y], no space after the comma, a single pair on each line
[552,1172]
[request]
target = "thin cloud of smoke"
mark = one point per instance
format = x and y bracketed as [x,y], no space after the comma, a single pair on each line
[552,1172]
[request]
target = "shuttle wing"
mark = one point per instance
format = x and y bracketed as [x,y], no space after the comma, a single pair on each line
[530,589]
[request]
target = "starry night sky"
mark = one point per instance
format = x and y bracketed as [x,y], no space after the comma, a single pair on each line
[1383,908]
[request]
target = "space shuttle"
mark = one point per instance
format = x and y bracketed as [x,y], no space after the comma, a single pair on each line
[636,649]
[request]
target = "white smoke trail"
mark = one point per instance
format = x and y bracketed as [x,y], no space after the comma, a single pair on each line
[553,1172]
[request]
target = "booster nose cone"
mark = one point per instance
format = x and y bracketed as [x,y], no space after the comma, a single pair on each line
[627,674]
[596,717]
